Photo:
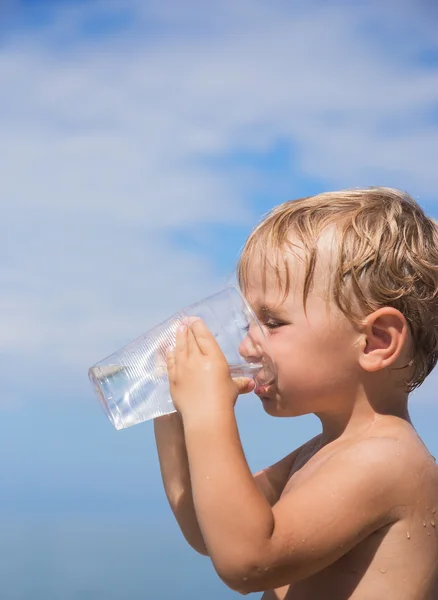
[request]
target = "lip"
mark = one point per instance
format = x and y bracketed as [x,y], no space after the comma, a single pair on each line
[262,391]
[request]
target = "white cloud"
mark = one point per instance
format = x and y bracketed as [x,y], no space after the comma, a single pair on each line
[107,148]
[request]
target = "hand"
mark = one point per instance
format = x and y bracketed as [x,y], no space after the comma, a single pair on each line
[199,375]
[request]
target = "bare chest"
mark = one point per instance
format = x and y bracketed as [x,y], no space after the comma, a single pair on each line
[307,462]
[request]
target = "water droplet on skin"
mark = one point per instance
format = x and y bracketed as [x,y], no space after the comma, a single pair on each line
[428,533]
[398,453]
[432,523]
[244,578]
[266,569]
[424,523]
[383,571]
[433,511]
[408,535]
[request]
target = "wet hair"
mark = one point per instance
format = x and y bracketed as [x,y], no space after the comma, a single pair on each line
[386,255]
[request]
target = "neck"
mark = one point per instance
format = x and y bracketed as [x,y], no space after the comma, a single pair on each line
[354,418]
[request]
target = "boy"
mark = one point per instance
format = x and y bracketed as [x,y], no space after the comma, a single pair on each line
[346,285]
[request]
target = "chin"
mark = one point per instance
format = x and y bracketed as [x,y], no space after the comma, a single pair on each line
[276,408]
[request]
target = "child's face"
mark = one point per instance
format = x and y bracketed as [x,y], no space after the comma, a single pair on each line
[315,352]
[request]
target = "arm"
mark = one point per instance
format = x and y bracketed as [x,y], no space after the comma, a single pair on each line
[174,467]
[256,547]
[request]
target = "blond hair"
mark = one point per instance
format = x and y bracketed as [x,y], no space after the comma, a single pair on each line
[387,255]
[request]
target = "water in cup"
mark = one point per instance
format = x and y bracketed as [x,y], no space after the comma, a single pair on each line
[133,385]
[116,386]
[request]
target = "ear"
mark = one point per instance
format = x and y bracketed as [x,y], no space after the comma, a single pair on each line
[384,336]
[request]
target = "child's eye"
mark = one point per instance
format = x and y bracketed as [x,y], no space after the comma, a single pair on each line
[271,324]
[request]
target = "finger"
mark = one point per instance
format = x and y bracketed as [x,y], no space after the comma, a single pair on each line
[181,342]
[192,345]
[204,338]
[244,385]
[188,320]
[170,360]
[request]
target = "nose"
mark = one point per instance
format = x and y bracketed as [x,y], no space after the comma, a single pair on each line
[250,348]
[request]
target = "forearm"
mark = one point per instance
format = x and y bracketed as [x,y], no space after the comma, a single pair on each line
[235,518]
[174,467]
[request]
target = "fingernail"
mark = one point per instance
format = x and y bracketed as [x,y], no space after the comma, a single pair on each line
[187,321]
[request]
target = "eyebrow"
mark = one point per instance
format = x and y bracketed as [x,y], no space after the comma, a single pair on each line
[272,310]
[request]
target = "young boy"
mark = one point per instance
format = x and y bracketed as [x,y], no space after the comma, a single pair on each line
[346,286]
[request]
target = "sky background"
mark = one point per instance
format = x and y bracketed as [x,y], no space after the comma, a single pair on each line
[140,142]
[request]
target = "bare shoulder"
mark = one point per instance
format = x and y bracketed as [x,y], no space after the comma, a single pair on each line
[390,447]
[398,447]
[387,468]
[394,459]
[409,459]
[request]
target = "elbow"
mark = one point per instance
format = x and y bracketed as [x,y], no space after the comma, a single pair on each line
[252,576]
[241,585]
[243,576]
[242,582]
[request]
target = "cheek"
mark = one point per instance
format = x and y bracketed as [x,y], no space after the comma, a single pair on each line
[340,343]
[311,354]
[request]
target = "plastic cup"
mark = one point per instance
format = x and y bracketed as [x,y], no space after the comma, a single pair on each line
[132,384]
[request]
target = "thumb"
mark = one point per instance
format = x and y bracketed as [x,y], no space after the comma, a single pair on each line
[244,385]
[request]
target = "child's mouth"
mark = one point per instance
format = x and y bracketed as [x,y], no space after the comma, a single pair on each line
[262,390]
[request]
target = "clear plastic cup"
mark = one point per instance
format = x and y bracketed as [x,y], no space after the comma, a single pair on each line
[132,383]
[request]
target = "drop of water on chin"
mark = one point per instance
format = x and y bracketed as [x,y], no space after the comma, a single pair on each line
[383,571]
[408,535]
[432,523]
[424,523]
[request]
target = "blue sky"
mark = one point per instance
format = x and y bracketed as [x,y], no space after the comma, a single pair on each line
[140,143]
